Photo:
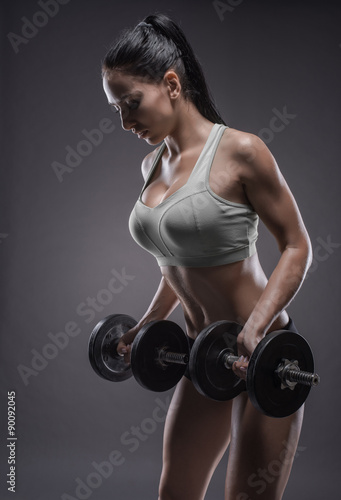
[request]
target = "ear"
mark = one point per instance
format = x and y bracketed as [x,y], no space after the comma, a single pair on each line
[172,81]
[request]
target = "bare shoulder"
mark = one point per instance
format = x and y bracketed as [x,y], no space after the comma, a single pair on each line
[250,152]
[242,144]
[148,161]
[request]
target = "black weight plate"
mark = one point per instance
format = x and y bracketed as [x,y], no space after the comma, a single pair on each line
[264,385]
[102,347]
[209,375]
[147,370]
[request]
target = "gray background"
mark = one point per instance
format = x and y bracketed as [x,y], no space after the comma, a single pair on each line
[60,241]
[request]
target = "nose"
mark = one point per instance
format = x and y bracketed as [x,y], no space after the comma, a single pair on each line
[126,120]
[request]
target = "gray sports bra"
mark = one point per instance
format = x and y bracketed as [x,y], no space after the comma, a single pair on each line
[194,227]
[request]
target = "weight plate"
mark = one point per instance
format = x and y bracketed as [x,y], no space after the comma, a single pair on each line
[147,369]
[263,383]
[209,375]
[102,346]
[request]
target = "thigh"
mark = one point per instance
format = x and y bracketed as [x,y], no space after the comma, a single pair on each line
[197,433]
[262,451]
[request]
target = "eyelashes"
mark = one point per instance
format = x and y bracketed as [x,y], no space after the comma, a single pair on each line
[132,106]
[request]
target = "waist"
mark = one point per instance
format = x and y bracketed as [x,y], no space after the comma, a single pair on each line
[290,326]
[228,292]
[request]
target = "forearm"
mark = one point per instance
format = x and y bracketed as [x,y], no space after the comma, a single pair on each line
[162,304]
[283,285]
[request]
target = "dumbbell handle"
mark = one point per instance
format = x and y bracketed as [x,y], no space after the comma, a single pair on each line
[288,371]
[164,357]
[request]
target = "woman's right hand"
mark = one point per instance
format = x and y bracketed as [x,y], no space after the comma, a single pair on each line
[125,343]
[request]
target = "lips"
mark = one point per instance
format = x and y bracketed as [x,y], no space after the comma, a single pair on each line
[141,133]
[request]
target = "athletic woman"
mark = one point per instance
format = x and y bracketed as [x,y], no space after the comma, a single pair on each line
[206,185]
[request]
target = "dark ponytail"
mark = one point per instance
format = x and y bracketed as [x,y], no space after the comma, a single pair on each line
[151,48]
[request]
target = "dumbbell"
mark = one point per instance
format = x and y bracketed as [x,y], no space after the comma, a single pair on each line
[159,355]
[279,375]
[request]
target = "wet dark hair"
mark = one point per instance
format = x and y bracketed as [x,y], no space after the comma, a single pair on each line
[151,48]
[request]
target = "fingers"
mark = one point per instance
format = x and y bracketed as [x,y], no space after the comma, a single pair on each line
[124,350]
[240,367]
[125,344]
[127,354]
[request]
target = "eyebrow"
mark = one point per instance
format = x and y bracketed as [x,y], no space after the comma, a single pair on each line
[122,99]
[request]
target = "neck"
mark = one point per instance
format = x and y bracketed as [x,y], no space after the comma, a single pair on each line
[189,130]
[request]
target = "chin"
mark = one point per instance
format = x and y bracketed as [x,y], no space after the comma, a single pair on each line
[153,141]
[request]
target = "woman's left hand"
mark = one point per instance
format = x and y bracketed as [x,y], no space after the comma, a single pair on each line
[246,345]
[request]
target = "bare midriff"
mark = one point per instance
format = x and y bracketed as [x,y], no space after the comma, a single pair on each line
[228,292]
[208,294]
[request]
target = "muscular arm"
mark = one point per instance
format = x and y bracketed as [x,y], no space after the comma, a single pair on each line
[162,305]
[269,194]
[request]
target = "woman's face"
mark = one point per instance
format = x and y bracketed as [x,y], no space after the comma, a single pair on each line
[147,109]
